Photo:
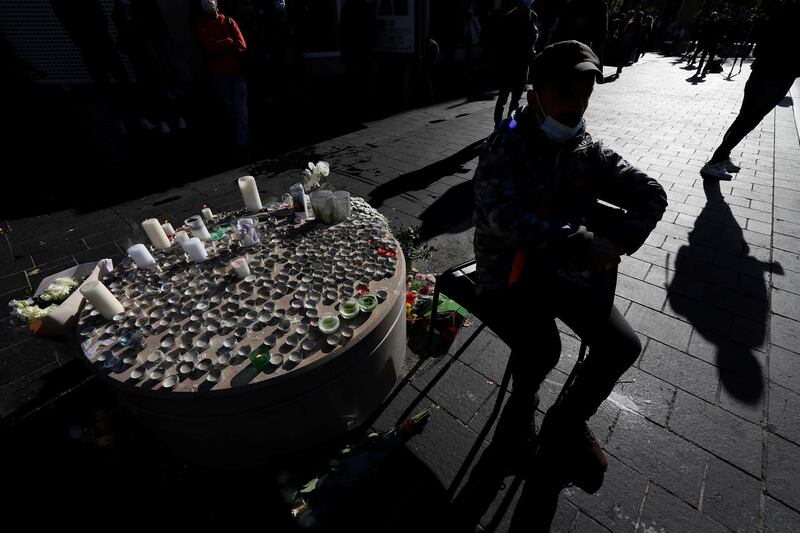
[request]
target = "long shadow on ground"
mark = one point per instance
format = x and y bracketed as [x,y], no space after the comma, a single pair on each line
[419,179]
[720,289]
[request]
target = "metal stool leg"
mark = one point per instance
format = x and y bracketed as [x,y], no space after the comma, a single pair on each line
[434,316]
[573,374]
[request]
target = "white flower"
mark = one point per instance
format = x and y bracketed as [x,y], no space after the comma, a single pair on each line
[59,290]
[26,311]
[314,174]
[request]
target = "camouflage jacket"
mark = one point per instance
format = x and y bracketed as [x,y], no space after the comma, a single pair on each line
[531,194]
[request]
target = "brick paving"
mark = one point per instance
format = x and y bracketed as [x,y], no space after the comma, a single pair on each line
[702,433]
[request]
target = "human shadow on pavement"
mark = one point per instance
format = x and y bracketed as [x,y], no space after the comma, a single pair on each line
[419,179]
[503,466]
[719,287]
[450,213]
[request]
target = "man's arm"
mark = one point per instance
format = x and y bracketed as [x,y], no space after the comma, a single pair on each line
[240,46]
[497,198]
[641,196]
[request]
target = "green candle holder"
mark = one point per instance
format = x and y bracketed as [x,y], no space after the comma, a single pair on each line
[260,357]
[328,323]
[349,308]
[367,302]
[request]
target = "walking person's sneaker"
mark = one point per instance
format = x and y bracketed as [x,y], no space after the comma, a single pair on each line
[146,124]
[730,166]
[572,454]
[717,171]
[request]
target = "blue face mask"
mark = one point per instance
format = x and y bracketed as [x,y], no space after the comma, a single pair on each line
[555,130]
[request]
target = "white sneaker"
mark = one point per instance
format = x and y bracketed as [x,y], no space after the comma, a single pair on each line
[164,127]
[730,166]
[181,123]
[716,171]
[146,124]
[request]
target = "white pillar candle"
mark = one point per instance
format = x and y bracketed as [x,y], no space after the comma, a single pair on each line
[141,256]
[249,189]
[181,236]
[101,298]
[198,228]
[156,234]
[207,214]
[168,229]
[241,267]
[195,249]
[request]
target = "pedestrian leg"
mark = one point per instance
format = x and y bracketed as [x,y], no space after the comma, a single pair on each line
[502,98]
[761,95]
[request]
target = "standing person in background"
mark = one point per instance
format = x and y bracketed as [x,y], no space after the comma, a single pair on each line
[143,37]
[710,36]
[358,29]
[518,34]
[628,39]
[773,73]
[471,36]
[645,37]
[224,45]
[585,21]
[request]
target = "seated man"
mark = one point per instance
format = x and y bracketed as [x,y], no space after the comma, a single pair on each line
[543,253]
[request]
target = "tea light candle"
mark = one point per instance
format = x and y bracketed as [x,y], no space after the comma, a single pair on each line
[168,229]
[249,190]
[141,256]
[195,250]
[329,323]
[367,302]
[207,214]
[240,266]
[101,298]
[181,236]
[156,234]
[349,308]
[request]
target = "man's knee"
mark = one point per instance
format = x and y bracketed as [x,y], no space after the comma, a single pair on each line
[633,347]
[621,346]
[628,347]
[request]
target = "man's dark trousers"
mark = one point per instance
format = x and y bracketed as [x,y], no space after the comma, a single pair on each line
[524,318]
[762,92]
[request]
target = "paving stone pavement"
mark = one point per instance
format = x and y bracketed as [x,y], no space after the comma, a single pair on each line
[702,433]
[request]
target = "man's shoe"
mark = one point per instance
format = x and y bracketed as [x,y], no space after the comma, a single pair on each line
[515,434]
[572,454]
[716,171]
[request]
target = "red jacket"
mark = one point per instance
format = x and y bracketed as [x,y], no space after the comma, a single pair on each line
[223,42]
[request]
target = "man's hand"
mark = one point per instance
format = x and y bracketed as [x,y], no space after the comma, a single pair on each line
[603,254]
[593,249]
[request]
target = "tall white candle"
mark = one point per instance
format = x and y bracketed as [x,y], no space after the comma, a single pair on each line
[198,228]
[156,234]
[249,189]
[168,229]
[101,298]
[241,267]
[195,249]
[181,236]
[141,256]
[207,214]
